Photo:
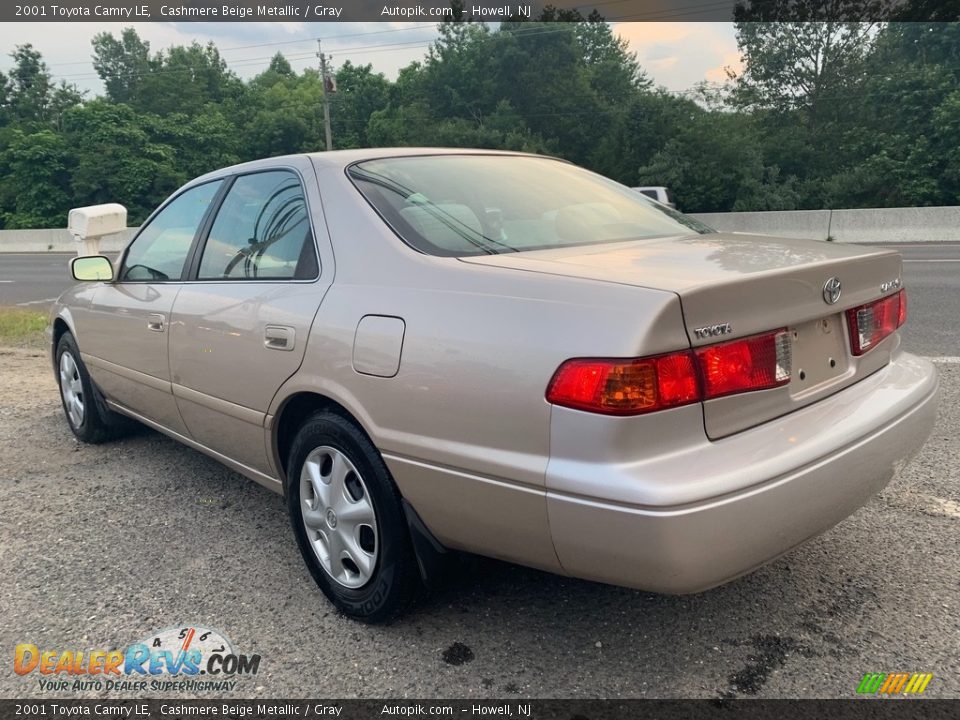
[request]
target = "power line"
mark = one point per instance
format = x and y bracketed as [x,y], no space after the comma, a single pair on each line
[297,41]
[662,14]
[523,33]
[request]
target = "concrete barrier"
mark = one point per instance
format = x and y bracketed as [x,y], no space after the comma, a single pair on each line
[867,225]
[880,225]
[56,240]
[812,224]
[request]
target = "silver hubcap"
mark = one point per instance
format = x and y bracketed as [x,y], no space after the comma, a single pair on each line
[339,517]
[71,388]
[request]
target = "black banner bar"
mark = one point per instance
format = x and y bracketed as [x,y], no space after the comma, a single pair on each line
[127,11]
[873,708]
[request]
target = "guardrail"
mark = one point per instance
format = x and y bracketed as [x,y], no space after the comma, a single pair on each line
[56,240]
[871,225]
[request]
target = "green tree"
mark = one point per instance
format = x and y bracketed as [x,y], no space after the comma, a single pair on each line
[809,66]
[121,64]
[360,93]
[35,180]
[117,160]
[906,136]
[181,79]
[713,163]
[30,85]
[282,112]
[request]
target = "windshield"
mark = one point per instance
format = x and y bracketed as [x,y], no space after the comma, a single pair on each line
[460,205]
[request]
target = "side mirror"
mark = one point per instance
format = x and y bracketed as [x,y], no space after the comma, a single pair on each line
[91,268]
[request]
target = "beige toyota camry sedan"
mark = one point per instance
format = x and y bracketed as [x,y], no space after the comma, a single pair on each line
[436,350]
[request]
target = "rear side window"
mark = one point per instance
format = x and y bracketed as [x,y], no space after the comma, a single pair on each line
[261,232]
[160,249]
[460,205]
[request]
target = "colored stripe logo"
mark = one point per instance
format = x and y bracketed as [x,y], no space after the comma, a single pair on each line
[894,683]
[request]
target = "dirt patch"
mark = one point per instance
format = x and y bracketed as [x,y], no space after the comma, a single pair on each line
[770,654]
[30,415]
[457,654]
[26,378]
[924,503]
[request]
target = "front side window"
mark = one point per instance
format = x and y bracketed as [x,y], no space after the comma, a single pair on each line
[460,205]
[261,232]
[160,250]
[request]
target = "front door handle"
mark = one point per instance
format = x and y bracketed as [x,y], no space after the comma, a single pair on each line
[155,322]
[279,337]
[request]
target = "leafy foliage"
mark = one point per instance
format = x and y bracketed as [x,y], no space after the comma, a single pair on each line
[824,113]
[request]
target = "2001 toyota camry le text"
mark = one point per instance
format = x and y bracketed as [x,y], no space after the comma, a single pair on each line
[435,350]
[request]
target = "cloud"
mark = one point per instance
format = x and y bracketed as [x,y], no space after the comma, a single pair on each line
[678,55]
[732,61]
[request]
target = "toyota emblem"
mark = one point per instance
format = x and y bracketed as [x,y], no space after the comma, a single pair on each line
[831,290]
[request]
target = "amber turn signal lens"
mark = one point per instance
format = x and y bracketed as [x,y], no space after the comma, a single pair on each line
[625,387]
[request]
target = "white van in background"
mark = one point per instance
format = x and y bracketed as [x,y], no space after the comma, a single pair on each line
[658,193]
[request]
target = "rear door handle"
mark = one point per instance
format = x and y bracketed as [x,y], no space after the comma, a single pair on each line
[279,337]
[155,322]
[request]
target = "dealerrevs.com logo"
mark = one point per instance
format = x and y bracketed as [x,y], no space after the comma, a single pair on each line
[176,659]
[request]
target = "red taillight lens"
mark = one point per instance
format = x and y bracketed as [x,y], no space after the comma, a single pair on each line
[625,387]
[753,363]
[640,385]
[871,323]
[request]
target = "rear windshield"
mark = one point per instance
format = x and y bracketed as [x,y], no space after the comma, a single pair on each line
[460,205]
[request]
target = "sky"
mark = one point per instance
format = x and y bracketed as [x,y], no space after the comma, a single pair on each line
[676,55]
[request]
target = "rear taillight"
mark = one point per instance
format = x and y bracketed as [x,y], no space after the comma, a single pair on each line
[753,363]
[639,385]
[871,323]
[625,387]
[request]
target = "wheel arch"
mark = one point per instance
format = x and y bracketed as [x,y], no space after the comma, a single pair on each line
[61,325]
[431,556]
[290,415]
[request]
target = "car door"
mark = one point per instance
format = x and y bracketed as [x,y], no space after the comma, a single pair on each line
[240,325]
[124,333]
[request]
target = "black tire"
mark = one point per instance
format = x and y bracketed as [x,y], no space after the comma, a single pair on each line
[395,579]
[98,423]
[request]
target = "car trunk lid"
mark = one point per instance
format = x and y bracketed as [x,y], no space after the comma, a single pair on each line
[732,285]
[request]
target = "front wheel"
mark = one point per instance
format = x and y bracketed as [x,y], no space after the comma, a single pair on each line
[348,520]
[86,413]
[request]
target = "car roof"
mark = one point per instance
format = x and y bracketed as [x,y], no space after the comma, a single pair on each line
[343,158]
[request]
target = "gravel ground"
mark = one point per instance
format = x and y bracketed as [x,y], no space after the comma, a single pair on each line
[103,545]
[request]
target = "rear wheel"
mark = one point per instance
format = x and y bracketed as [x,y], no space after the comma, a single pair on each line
[86,413]
[348,520]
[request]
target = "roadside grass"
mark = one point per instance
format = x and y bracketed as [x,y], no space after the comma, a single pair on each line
[20,327]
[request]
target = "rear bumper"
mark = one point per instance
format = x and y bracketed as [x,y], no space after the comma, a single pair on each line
[774,486]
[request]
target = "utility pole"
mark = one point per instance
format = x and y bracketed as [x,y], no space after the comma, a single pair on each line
[326,99]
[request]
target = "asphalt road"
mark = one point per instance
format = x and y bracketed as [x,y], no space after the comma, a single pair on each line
[103,545]
[931,274]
